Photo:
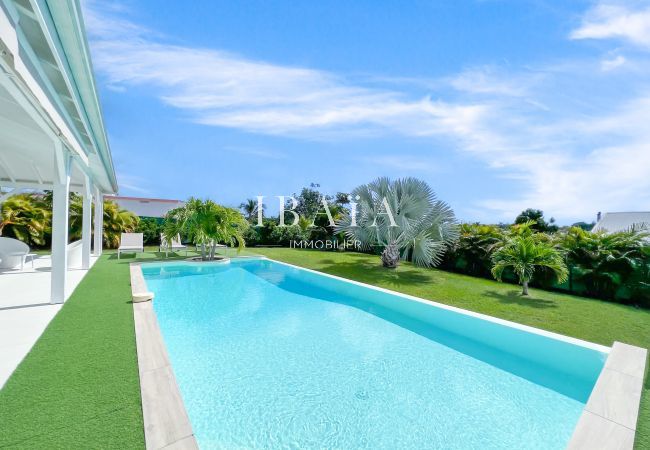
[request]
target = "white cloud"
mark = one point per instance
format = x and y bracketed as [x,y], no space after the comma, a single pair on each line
[616,21]
[492,80]
[224,89]
[612,63]
[566,156]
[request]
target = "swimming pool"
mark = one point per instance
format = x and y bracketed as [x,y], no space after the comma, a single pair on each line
[268,355]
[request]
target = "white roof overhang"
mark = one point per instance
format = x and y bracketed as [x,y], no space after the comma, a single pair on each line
[48,99]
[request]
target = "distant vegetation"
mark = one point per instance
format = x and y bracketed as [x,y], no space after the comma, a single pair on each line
[613,267]
[28,217]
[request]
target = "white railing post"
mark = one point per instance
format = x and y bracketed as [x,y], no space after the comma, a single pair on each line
[99,223]
[60,211]
[86,230]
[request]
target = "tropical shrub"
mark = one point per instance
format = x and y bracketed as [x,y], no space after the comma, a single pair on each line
[285,235]
[25,217]
[206,224]
[404,218]
[116,222]
[524,252]
[151,229]
[471,253]
[607,266]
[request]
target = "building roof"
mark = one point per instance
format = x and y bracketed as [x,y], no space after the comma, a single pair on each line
[146,207]
[48,98]
[613,222]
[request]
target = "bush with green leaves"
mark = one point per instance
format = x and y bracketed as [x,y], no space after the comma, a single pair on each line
[523,252]
[26,217]
[151,229]
[286,234]
[206,224]
[471,253]
[608,265]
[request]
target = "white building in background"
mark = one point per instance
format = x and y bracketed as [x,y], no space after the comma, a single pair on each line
[613,222]
[146,207]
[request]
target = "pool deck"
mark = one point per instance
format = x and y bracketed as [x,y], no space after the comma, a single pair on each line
[610,417]
[25,308]
[166,424]
[608,421]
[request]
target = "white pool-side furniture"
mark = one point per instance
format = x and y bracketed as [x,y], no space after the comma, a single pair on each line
[172,246]
[131,243]
[12,253]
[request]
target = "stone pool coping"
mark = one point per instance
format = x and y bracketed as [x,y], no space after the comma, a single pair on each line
[166,423]
[608,421]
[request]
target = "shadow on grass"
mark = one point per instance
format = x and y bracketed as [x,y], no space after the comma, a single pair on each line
[515,298]
[374,273]
[128,258]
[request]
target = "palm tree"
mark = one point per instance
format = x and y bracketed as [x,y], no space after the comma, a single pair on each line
[25,217]
[206,224]
[471,253]
[605,262]
[250,208]
[403,217]
[116,222]
[525,251]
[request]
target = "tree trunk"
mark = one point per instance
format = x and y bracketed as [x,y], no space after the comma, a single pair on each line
[390,256]
[525,288]
[203,251]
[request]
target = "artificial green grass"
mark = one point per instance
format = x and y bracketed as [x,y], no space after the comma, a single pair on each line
[79,386]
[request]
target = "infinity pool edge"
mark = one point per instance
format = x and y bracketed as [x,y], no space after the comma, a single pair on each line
[598,427]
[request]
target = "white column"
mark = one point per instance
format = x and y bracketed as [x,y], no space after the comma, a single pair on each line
[60,211]
[86,230]
[99,223]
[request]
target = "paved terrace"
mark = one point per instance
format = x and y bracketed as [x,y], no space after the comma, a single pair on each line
[25,308]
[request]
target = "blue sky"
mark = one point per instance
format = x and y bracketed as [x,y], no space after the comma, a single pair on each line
[499,105]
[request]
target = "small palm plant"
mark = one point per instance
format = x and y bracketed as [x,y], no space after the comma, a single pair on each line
[206,224]
[525,251]
[403,217]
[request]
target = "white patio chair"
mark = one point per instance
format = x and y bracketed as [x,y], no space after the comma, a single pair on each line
[131,243]
[12,253]
[172,246]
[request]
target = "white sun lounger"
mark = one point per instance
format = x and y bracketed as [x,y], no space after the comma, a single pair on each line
[131,243]
[172,246]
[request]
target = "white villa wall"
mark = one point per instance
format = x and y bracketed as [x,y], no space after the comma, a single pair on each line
[146,207]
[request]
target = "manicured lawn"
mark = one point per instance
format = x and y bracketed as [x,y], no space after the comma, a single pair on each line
[79,386]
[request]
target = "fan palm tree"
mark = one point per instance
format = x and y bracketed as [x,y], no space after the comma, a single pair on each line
[404,217]
[524,252]
[25,217]
[206,224]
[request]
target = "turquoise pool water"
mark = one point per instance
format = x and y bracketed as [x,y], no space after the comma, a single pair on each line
[270,356]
